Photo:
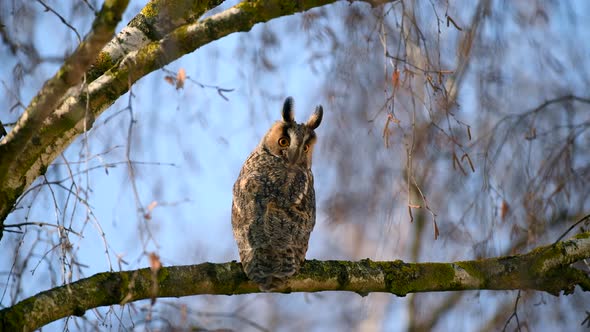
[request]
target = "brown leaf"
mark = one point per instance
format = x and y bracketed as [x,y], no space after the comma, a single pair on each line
[152,206]
[155,264]
[386,131]
[393,119]
[180,78]
[504,209]
[169,79]
[148,213]
[395,78]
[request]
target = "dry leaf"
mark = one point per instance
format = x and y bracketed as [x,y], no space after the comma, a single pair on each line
[155,264]
[152,206]
[395,78]
[148,213]
[504,209]
[169,79]
[393,119]
[180,78]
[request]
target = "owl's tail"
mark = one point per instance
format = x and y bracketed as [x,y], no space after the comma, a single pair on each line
[271,269]
[271,283]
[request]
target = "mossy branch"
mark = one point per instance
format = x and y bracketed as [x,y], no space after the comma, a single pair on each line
[544,269]
[153,22]
[39,137]
[21,148]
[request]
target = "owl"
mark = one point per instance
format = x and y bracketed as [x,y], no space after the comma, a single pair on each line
[273,208]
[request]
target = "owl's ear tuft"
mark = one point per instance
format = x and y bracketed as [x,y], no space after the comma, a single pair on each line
[316,118]
[288,112]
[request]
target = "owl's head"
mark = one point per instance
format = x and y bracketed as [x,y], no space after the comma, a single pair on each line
[292,141]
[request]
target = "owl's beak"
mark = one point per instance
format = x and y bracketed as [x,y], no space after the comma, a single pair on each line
[294,155]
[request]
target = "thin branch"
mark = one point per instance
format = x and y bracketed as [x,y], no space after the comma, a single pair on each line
[23,143]
[220,90]
[61,18]
[514,314]
[40,224]
[583,219]
[29,157]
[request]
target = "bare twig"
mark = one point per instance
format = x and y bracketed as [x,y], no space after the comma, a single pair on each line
[514,314]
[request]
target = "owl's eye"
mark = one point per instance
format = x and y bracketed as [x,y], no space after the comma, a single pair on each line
[306,148]
[283,142]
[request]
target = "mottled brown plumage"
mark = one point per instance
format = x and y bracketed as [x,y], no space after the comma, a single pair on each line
[273,210]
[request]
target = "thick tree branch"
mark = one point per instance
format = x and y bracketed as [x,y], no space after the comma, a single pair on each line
[25,158]
[156,20]
[20,149]
[544,269]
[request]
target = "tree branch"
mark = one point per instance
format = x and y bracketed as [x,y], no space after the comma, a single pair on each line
[545,269]
[156,20]
[49,133]
[21,148]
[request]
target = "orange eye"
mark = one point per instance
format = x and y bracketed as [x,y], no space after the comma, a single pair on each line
[306,148]
[283,142]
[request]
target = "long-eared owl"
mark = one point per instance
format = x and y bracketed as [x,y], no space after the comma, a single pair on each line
[273,210]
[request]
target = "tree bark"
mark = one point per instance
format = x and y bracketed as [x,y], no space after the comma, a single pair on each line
[65,108]
[26,151]
[545,269]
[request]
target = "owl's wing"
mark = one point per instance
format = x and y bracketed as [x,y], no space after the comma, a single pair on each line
[248,208]
[254,221]
[272,217]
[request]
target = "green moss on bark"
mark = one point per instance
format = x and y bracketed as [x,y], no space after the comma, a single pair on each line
[266,10]
[103,62]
